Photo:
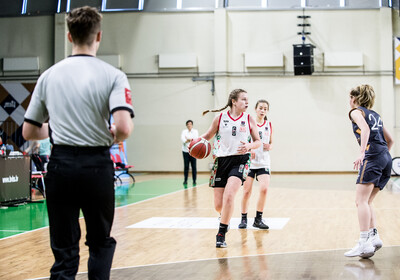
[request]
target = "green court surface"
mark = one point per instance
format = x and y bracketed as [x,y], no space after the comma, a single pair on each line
[32,216]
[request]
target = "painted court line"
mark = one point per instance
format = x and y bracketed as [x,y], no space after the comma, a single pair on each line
[12,230]
[203,223]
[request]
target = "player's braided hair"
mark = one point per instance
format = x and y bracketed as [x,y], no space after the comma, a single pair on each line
[84,23]
[263,101]
[364,95]
[234,95]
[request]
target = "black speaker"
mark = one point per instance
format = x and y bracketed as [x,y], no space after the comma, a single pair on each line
[303,70]
[303,59]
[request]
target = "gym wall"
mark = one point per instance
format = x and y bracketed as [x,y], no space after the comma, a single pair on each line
[309,114]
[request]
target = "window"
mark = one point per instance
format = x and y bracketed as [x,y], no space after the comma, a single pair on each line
[72,4]
[121,5]
[10,8]
[39,7]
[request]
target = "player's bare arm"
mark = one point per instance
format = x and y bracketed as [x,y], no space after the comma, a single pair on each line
[212,130]
[388,138]
[358,118]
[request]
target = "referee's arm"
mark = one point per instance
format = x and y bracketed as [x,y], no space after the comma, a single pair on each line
[35,131]
[123,125]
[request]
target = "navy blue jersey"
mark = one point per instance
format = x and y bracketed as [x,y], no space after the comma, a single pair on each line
[376,143]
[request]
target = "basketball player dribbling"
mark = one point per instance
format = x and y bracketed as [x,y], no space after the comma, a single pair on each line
[233,130]
[374,165]
[259,168]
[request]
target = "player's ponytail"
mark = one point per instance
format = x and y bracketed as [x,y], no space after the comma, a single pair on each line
[263,101]
[214,111]
[364,95]
[234,95]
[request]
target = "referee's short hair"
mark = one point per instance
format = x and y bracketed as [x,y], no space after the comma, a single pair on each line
[84,23]
[189,121]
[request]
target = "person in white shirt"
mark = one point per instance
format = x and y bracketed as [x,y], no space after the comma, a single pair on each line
[186,136]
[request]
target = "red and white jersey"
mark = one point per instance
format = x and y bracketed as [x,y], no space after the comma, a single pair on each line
[262,159]
[230,134]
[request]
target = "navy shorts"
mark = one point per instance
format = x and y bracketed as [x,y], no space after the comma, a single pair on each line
[254,173]
[225,167]
[376,170]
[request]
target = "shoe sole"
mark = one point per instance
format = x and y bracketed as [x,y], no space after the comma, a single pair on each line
[242,227]
[351,256]
[367,255]
[260,227]
[378,247]
[362,255]
[221,246]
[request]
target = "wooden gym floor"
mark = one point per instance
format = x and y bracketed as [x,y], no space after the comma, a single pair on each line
[321,224]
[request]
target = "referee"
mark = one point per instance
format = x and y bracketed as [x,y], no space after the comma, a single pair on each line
[78,95]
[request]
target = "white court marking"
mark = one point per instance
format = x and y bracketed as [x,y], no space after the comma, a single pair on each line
[204,223]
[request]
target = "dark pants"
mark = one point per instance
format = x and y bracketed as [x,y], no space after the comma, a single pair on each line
[189,159]
[44,158]
[80,179]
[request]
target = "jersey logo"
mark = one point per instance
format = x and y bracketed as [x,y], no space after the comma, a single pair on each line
[128,96]
[242,127]
[233,130]
[260,132]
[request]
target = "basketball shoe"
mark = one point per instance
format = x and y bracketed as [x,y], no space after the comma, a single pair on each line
[243,223]
[376,241]
[258,223]
[364,250]
[221,241]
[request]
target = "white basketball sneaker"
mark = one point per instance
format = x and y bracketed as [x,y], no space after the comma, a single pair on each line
[362,249]
[376,241]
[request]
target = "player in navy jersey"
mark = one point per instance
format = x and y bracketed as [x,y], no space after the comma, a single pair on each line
[374,165]
[259,168]
[233,132]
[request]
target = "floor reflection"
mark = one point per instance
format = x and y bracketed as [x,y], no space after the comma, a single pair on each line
[122,191]
[363,269]
[327,265]
[190,198]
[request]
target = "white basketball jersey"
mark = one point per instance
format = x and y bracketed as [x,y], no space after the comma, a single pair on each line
[230,132]
[262,159]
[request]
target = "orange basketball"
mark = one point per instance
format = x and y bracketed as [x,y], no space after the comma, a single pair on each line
[199,148]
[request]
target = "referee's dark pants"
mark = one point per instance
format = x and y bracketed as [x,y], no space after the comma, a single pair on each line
[80,178]
[189,159]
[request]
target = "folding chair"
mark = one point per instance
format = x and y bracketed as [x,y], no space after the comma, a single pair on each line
[121,168]
[37,176]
